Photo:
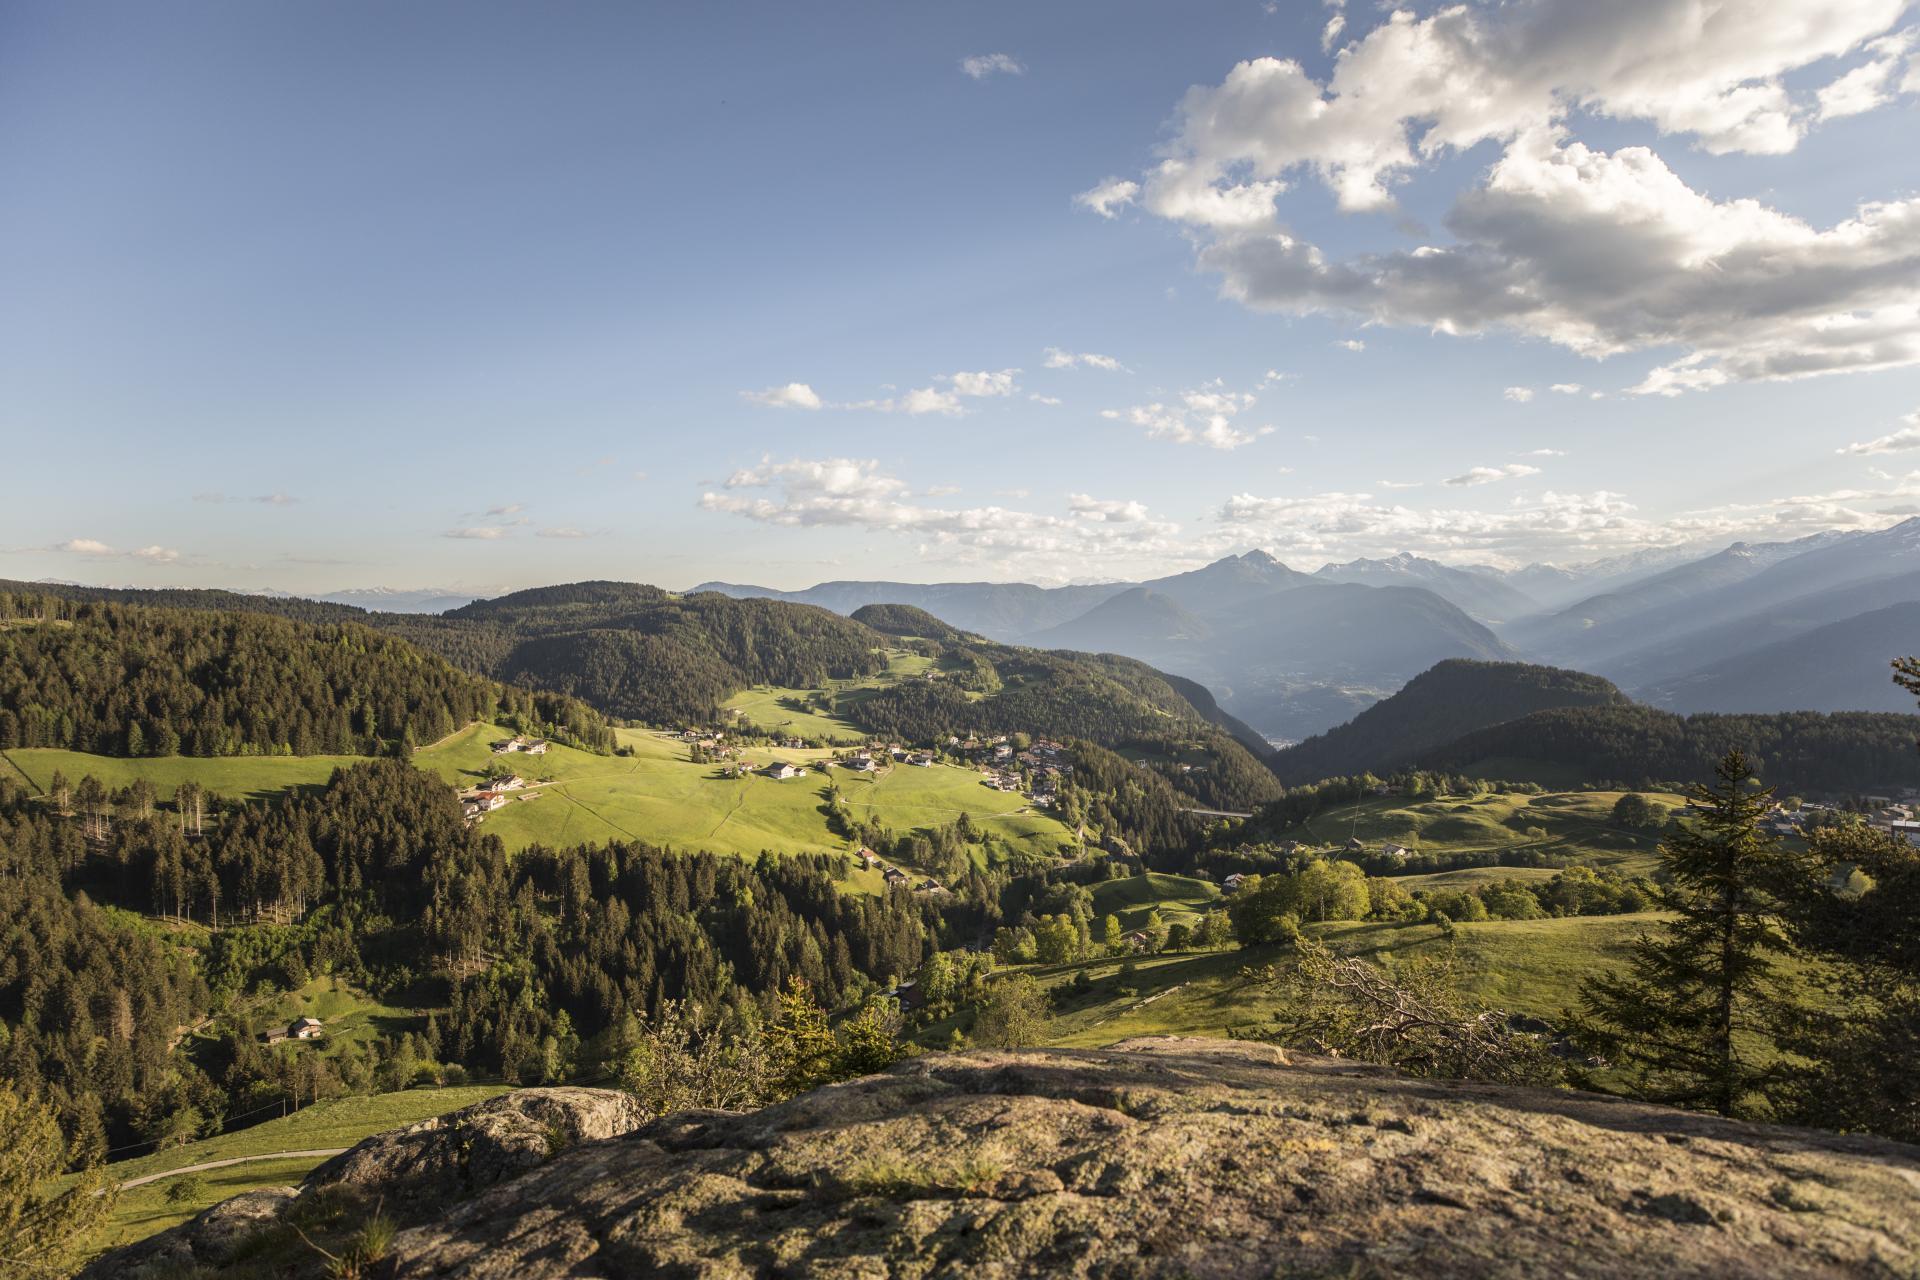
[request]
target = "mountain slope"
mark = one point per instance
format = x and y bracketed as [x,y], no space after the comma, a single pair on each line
[1136,621]
[1436,707]
[1845,753]
[1839,667]
[1483,595]
[1646,670]
[1602,625]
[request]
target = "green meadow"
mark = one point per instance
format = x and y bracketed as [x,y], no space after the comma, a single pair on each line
[1525,966]
[325,1126]
[656,793]
[773,709]
[1575,825]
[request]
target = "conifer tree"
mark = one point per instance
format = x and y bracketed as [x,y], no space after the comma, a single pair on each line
[1678,1019]
[39,1226]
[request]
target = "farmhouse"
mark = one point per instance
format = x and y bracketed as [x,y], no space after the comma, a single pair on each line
[1234,881]
[868,858]
[298,1029]
[780,771]
[920,760]
[512,746]
[894,876]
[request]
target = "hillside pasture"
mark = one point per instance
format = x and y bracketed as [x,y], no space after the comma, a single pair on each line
[335,1123]
[657,793]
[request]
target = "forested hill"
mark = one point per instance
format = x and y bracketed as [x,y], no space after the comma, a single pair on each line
[1448,700]
[125,680]
[904,620]
[295,607]
[640,653]
[1845,752]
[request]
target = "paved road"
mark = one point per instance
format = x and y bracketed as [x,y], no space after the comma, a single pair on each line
[1217,813]
[221,1164]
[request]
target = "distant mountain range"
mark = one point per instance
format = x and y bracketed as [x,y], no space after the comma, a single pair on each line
[1288,652]
[1688,628]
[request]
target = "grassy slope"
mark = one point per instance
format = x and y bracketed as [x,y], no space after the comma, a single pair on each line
[340,1122]
[773,709]
[236,777]
[656,794]
[1529,966]
[1577,826]
[1178,899]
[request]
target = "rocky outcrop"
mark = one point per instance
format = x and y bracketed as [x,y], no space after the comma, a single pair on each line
[1185,1158]
[408,1173]
[1197,1158]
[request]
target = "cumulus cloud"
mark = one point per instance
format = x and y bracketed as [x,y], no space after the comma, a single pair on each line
[1566,388]
[1491,475]
[794,395]
[484,533]
[1351,344]
[1058,359]
[1906,437]
[857,493]
[982,65]
[96,549]
[1054,401]
[1519,395]
[1599,252]
[1108,196]
[1869,85]
[1544,453]
[1203,415]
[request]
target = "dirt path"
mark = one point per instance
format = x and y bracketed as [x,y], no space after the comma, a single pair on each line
[144,1179]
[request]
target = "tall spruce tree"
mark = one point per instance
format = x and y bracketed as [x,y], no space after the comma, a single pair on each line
[1679,1018]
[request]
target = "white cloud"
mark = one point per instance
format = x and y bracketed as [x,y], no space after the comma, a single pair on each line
[562,531]
[1352,344]
[1907,437]
[1519,395]
[484,533]
[1544,453]
[1335,25]
[856,493]
[1869,85]
[1598,252]
[96,549]
[1108,197]
[1058,359]
[794,395]
[982,65]
[1037,398]
[1490,475]
[1399,484]
[1566,388]
[1202,415]
[507,509]
[984,384]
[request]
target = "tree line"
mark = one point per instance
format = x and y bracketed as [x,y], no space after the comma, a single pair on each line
[113,679]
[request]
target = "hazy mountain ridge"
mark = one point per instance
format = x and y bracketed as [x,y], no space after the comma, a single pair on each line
[1436,707]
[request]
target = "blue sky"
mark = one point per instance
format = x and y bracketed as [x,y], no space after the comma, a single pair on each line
[482,296]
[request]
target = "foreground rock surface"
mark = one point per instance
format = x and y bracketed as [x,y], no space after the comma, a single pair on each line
[1183,1158]
[410,1173]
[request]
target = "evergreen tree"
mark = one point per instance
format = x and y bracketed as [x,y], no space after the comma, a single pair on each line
[1679,1019]
[39,1226]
